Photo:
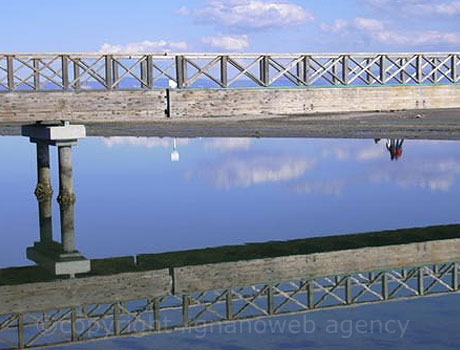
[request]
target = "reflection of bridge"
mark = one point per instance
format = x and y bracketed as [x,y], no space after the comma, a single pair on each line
[172,291]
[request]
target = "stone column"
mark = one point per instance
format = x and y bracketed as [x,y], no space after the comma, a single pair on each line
[66,198]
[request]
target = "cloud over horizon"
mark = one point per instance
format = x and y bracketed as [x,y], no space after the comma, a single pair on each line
[250,14]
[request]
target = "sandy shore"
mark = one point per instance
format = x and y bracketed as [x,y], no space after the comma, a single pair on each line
[420,124]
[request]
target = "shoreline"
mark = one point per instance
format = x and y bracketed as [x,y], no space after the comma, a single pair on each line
[436,124]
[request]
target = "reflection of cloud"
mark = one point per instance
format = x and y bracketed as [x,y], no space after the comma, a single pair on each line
[229,143]
[432,175]
[258,170]
[146,142]
[329,188]
[338,153]
[371,154]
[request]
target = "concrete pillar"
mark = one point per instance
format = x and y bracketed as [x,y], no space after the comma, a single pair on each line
[66,198]
[44,188]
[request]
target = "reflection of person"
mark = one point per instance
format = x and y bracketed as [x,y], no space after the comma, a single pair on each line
[394,146]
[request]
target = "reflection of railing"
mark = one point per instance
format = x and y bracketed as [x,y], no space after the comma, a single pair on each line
[169,313]
[147,71]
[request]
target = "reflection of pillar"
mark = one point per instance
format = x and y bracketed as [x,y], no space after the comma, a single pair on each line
[44,188]
[45,207]
[66,188]
[68,227]
[66,198]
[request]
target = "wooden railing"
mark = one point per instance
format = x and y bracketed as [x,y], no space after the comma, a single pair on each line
[73,72]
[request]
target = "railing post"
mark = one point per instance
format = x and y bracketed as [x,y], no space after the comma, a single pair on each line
[143,68]
[76,73]
[10,72]
[108,72]
[454,70]
[334,71]
[224,71]
[149,64]
[310,295]
[402,74]
[348,290]
[455,276]
[421,279]
[385,293]
[65,72]
[434,72]
[299,71]
[383,70]
[307,70]
[265,70]
[36,65]
[368,80]
[229,304]
[345,69]
[180,72]
[115,74]
[419,65]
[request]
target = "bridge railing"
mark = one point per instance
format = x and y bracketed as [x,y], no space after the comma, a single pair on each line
[74,72]
[87,323]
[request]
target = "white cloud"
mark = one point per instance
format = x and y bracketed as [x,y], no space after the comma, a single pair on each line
[229,144]
[254,171]
[417,7]
[368,24]
[228,42]
[145,47]
[375,30]
[250,14]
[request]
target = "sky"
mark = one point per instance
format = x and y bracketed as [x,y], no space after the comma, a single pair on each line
[230,25]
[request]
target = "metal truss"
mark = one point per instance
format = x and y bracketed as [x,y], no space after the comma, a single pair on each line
[180,312]
[73,72]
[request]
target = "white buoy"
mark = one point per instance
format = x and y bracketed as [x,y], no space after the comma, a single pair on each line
[172,84]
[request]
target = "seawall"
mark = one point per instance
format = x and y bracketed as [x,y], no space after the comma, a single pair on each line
[159,104]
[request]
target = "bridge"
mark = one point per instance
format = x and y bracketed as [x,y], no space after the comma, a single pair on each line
[67,299]
[142,87]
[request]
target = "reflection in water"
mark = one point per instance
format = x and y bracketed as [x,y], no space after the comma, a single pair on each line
[394,146]
[188,288]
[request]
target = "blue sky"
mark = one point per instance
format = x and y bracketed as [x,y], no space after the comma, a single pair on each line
[230,25]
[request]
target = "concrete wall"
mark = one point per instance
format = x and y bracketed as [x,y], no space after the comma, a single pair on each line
[206,103]
[82,107]
[239,274]
[142,106]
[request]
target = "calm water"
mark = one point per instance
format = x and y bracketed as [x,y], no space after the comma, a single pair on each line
[148,195]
